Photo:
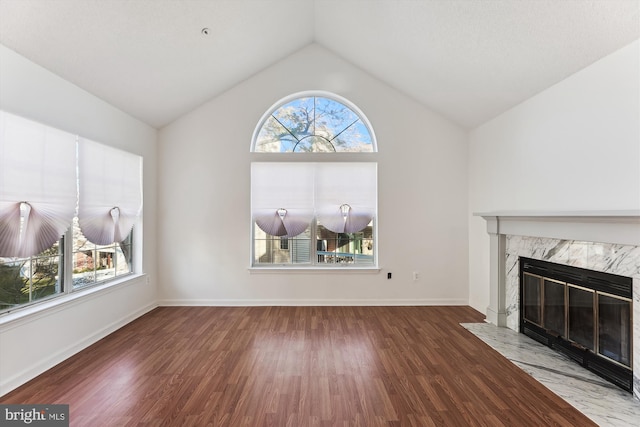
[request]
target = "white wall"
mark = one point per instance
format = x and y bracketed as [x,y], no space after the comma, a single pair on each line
[204,218]
[32,344]
[575,146]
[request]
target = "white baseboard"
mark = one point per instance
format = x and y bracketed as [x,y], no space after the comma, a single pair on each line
[15,381]
[309,302]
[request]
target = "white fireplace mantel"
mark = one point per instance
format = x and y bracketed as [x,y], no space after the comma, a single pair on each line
[621,227]
[616,227]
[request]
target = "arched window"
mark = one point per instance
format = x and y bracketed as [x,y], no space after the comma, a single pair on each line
[317,122]
[314,214]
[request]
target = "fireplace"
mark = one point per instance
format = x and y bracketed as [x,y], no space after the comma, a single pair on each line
[584,314]
[603,241]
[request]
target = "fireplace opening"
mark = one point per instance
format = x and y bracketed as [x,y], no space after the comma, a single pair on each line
[581,313]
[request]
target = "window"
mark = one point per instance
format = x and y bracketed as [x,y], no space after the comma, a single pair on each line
[284,243]
[29,279]
[55,189]
[313,122]
[35,278]
[94,263]
[314,214]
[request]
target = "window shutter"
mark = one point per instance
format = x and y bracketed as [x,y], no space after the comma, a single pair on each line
[37,185]
[282,197]
[345,195]
[110,192]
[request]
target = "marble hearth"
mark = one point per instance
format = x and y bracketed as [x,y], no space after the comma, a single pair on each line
[602,241]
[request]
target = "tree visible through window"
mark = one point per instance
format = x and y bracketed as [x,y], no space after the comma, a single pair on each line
[29,279]
[314,124]
[309,213]
[48,176]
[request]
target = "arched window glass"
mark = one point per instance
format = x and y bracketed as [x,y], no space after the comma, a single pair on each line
[313,122]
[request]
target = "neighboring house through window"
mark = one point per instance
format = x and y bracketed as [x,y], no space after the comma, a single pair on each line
[325,211]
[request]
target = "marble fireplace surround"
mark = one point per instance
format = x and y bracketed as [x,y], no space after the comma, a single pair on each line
[607,241]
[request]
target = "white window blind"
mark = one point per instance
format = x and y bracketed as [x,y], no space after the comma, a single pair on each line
[285,197]
[37,185]
[345,195]
[110,192]
[282,197]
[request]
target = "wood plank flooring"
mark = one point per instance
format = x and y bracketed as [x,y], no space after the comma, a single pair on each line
[297,366]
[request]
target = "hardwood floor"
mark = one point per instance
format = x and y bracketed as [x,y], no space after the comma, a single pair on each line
[297,366]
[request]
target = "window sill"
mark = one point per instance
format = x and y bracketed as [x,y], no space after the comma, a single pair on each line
[40,309]
[314,270]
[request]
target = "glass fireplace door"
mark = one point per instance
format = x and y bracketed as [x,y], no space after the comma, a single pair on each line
[581,316]
[614,328]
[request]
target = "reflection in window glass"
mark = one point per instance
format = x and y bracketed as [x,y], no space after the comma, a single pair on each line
[25,280]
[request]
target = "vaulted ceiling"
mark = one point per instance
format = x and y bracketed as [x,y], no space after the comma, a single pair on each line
[468,60]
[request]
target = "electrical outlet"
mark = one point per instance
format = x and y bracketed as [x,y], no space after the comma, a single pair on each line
[388,275]
[415,276]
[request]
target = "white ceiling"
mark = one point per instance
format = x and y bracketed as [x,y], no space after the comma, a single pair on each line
[469,60]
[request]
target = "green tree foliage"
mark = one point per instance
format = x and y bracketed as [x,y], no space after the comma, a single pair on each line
[11,285]
[25,280]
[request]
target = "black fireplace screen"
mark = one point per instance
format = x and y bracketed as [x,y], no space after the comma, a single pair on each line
[584,314]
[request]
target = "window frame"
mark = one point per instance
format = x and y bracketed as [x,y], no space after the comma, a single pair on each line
[315,157]
[284,243]
[96,249]
[64,283]
[30,262]
[65,269]
[319,94]
[313,263]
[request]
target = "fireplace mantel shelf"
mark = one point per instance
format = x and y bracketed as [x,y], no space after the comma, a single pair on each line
[614,226]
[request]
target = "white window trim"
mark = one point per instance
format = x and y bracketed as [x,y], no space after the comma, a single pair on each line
[48,306]
[300,157]
[346,269]
[66,278]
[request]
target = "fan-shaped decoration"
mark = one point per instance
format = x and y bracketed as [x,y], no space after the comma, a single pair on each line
[282,222]
[110,199]
[37,185]
[345,219]
[105,228]
[26,230]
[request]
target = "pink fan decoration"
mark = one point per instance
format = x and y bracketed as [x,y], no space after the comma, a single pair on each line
[282,222]
[345,219]
[26,230]
[105,228]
